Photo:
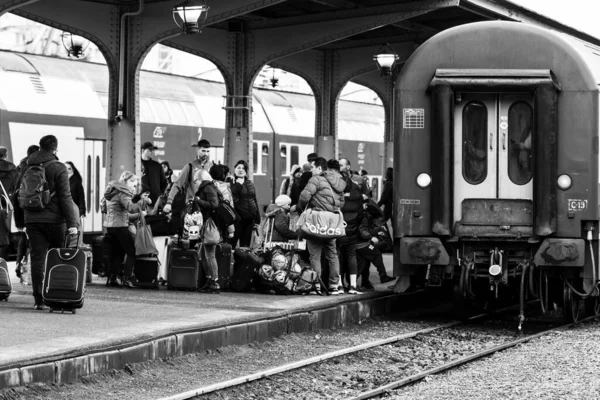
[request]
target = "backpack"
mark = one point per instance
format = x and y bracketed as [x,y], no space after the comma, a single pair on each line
[34,192]
[225,213]
[307,282]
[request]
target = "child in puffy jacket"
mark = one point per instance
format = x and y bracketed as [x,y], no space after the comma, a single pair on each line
[278,217]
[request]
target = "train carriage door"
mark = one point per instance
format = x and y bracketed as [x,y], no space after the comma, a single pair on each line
[492,148]
[94,173]
[515,163]
[475,149]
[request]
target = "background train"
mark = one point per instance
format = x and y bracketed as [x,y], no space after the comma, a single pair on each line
[69,99]
[498,127]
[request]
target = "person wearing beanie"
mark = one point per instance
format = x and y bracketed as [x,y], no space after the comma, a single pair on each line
[304,178]
[278,220]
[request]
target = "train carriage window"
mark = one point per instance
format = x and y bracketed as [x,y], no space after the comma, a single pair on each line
[283,159]
[265,158]
[179,116]
[97,186]
[255,157]
[193,114]
[89,184]
[294,156]
[520,123]
[474,136]
[146,112]
[160,110]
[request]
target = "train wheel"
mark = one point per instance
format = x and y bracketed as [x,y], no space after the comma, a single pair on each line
[571,305]
[592,306]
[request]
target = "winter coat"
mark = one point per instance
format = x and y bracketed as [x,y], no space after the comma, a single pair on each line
[119,205]
[387,199]
[225,189]
[207,197]
[153,177]
[279,218]
[8,176]
[77,194]
[286,185]
[182,181]
[60,208]
[369,228]
[352,211]
[324,192]
[295,191]
[244,198]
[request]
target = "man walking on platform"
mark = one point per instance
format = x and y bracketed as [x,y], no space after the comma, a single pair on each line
[153,175]
[46,227]
[8,171]
[346,167]
[324,192]
[201,162]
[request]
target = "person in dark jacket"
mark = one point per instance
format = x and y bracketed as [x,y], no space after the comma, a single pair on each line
[166,167]
[207,197]
[152,173]
[118,206]
[46,229]
[279,219]
[8,172]
[295,190]
[76,185]
[387,195]
[246,204]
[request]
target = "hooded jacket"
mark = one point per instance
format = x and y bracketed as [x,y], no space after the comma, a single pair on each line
[286,185]
[60,208]
[207,198]
[119,205]
[8,176]
[352,211]
[278,217]
[324,192]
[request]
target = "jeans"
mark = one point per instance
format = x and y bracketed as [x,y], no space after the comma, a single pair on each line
[347,253]
[314,250]
[367,255]
[208,253]
[122,243]
[42,236]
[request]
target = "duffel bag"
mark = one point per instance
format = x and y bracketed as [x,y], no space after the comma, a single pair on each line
[321,224]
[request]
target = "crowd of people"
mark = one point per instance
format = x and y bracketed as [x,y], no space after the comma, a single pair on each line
[319,185]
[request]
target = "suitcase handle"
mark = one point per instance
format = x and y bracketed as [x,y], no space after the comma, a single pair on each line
[67,241]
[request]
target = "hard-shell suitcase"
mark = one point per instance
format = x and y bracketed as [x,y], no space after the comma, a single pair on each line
[89,262]
[64,279]
[5,284]
[184,272]
[245,266]
[145,270]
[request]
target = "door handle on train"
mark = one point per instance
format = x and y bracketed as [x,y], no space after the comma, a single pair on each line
[503,140]
[491,143]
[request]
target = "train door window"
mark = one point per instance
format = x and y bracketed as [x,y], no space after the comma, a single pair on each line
[295,157]
[255,157]
[475,142]
[97,197]
[265,158]
[89,184]
[375,188]
[520,122]
[283,159]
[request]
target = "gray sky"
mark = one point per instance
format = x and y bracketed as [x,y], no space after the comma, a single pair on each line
[579,14]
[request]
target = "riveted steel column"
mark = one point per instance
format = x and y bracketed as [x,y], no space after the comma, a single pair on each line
[239,103]
[326,113]
[389,103]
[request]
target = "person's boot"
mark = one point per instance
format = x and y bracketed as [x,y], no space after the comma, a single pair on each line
[112,281]
[386,278]
[130,282]
[214,287]
[206,287]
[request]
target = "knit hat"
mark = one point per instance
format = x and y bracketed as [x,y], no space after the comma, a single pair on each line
[306,167]
[283,200]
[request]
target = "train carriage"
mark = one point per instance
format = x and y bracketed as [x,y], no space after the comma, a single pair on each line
[497,153]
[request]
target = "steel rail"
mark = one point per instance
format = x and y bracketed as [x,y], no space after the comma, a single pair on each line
[464,360]
[313,360]
[299,364]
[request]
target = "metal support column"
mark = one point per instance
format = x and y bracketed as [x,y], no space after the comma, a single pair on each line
[326,118]
[238,102]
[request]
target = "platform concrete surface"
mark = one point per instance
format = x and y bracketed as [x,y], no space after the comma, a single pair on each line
[113,318]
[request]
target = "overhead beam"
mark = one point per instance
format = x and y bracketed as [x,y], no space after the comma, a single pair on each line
[396,39]
[415,27]
[336,3]
[502,9]
[423,5]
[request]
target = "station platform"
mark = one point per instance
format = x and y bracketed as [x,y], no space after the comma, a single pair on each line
[120,326]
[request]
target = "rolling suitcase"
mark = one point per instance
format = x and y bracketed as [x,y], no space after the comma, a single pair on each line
[184,272]
[64,279]
[145,270]
[5,284]
[245,266]
[89,262]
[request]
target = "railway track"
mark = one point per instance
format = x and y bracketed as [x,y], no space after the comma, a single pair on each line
[223,386]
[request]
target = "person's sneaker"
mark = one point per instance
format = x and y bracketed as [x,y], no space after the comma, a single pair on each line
[334,291]
[386,278]
[205,288]
[366,287]
[38,307]
[112,281]
[352,290]
[129,282]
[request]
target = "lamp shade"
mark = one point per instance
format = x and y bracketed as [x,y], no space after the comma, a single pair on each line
[74,44]
[188,14]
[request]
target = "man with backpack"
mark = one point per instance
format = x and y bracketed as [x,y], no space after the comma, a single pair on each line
[45,197]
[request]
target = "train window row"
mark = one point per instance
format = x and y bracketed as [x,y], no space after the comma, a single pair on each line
[170,112]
